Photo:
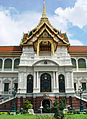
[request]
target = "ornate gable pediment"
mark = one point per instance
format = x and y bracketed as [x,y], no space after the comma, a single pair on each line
[44,27]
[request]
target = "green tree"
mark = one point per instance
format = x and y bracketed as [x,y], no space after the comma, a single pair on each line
[46,109]
[55,106]
[62,104]
[58,110]
[28,105]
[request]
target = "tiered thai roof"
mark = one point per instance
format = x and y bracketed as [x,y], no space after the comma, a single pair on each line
[45,26]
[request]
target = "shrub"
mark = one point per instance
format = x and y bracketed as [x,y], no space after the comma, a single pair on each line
[55,106]
[62,105]
[70,111]
[17,112]
[59,114]
[58,110]
[46,109]
[8,113]
[28,105]
[24,111]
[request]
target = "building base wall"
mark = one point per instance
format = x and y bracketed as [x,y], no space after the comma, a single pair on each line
[37,102]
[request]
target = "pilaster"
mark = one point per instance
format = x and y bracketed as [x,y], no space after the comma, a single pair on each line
[69,86]
[55,82]
[36,87]
[22,82]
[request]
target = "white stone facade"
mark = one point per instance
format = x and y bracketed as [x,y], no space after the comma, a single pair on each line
[58,64]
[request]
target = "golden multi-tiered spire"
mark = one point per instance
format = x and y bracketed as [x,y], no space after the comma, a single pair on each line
[44,10]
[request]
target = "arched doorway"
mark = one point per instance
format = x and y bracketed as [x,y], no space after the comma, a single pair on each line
[45,82]
[46,105]
[29,83]
[61,83]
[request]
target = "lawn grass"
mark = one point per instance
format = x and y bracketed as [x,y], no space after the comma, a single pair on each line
[23,116]
[74,116]
[17,117]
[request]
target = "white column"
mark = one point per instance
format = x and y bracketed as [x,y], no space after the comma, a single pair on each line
[72,80]
[78,83]
[57,82]
[53,80]
[34,83]
[52,83]
[3,65]
[37,80]
[38,83]
[12,64]
[77,64]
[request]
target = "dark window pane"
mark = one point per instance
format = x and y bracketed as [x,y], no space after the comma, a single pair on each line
[6,87]
[84,86]
[74,86]
[61,83]
[29,83]
[45,85]
[73,62]
[16,63]
[0,63]
[81,63]
[8,63]
[16,86]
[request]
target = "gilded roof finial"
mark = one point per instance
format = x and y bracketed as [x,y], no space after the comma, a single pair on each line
[44,10]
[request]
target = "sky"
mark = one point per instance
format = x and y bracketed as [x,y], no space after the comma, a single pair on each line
[21,16]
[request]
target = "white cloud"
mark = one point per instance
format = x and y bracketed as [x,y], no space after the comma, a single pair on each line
[76,15]
[76,43]
[13,24]
[58,23]
[11,31]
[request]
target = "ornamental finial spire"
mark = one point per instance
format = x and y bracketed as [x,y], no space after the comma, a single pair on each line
[44,10]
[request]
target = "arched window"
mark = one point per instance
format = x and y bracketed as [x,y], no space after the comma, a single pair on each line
[45,83]
[73,62]
[61,83]
[0,63]
[29,83]
[81,63]
[8,63]
[16,63]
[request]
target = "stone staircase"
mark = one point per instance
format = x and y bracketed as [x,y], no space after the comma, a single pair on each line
[84,96]
[5,98]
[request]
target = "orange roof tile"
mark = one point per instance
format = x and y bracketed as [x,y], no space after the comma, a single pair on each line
[10,48]
[18,48]
[78,48]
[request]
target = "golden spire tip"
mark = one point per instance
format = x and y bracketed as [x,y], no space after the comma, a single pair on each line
[44,10]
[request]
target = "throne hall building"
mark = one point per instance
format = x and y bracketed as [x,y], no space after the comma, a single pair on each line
[44,68]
